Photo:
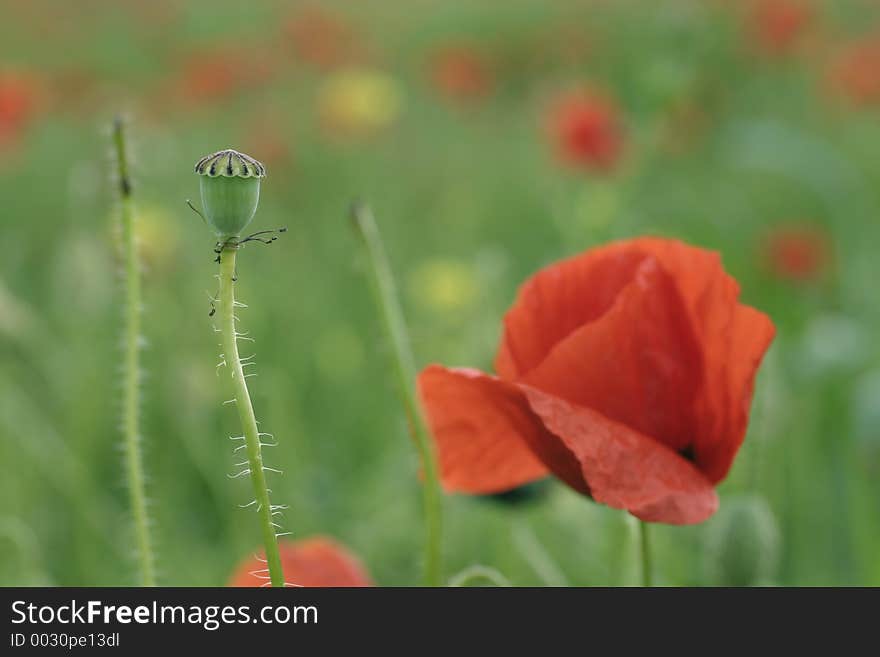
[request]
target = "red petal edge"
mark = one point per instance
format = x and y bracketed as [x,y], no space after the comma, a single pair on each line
[624,468]
[318,561]
[482,429]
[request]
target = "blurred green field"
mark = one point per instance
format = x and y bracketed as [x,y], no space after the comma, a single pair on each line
[724,143]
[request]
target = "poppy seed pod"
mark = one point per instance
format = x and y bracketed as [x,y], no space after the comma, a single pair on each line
[230,188]
[742,543]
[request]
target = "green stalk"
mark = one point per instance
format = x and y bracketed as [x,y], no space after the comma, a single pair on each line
[645,549]
[131,410]
[386,299]
[245,408]
[479,572]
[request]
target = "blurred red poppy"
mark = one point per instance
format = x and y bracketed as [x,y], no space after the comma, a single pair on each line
[311,562]
[585,131]
[267,135]
[209,78]
[626,371]
[461,73]
[323,38]
[778,26]
[797,253]
[218,75]
[76,91]
[855,72]
[18,102]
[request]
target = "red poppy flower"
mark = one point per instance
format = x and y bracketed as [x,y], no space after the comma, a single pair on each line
[461,73]
[323,38]
[75,91]
[777,26]
[267,136]
[585,131]
[209,77]
[797,253]
[626,371]
[855,72]
[18,99]
[311,562]
[215,74]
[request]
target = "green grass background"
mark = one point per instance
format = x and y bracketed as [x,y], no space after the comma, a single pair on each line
[470,202]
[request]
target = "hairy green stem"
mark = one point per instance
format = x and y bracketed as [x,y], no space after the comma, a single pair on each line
[131,382]
[386,299]
[245,408]
[645,550]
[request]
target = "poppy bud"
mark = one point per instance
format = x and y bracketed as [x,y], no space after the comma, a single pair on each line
[230,188]
[742,543]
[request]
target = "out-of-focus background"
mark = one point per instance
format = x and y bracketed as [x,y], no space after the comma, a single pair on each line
[490,138]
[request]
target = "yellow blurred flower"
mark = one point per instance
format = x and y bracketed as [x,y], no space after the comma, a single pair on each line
[359,103]
[443,285]
[158,236]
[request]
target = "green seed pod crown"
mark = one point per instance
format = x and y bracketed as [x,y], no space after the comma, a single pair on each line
[229,182]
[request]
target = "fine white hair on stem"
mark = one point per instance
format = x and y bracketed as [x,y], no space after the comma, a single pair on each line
[133,344]
[251,444]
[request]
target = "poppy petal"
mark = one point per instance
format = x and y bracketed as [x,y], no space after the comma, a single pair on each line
[638,364]
[624,468]
[733,337]
[735,363]
[560,299]
[312,562]
[482,428]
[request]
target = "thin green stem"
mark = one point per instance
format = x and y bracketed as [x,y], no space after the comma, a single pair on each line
[478,572]
[645,550]
[385,294]
[131,382]
[245,408]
